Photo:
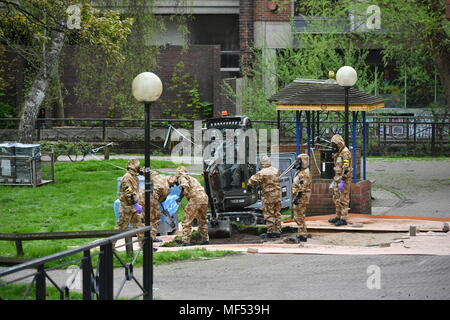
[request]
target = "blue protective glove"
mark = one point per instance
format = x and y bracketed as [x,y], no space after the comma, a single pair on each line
[341,186]
[138,207]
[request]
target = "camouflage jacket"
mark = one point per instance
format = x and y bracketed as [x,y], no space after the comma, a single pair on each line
[302,182]
[342,160]
[192,189]
[129,188]
[343,165]
[160,186]
[268,179]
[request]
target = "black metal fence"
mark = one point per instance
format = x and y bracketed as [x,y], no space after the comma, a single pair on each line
[96,283]
[415,136]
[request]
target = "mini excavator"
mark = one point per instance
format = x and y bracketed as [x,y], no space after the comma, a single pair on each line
[226,183]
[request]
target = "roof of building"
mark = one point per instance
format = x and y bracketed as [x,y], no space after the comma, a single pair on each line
[322,95]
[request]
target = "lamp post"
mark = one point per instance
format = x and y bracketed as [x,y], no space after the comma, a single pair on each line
[346,77]
[147,88]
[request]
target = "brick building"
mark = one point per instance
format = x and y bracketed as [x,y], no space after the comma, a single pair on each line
[222,34]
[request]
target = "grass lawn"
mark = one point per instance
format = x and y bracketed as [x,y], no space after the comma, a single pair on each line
[16,292]
[82,198]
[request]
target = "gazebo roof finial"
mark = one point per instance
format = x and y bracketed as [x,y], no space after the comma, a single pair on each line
[331,75]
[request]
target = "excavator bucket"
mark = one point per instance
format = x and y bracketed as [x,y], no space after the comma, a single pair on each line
[219,228]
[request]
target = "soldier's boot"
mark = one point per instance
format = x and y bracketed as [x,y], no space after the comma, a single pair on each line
[270,235]
[333,220]
[340,222]
[204,243]
[301,238]
[274,235]
[157,240]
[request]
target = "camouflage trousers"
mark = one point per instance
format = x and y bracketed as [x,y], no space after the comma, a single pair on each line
[271,207]
[155,216]
[128,215]
[342,199]
[299,214]
[192,211]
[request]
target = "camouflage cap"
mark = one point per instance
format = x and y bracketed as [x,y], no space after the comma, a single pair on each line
[133,165]
[181,171]
[265,161]
[338,140]
[172,180]
[302,156]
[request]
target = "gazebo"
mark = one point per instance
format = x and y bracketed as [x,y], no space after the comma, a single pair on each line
[325,95]
[313,96]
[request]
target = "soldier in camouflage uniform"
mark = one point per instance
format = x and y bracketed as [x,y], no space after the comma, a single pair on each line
[268,178]
[130,211]
[301,193]
[160,192]
[342,179]
[197,205]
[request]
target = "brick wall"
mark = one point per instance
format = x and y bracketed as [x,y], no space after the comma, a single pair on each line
[321,202]
[360,199]
[263,10]
[202,62]
[228,103]
[13,66]
[447,9]
[208,77]
[246,32]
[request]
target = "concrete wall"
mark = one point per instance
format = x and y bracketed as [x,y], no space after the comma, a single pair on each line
[184,7]
[171,35]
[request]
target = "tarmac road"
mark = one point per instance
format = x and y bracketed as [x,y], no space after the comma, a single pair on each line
[299,277]
[292,277]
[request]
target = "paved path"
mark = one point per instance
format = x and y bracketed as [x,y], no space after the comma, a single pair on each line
[411,187]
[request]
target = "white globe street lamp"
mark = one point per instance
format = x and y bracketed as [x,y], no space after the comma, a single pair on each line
[147,88]
[346,77]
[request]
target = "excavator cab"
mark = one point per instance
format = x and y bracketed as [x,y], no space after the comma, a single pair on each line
[227,169]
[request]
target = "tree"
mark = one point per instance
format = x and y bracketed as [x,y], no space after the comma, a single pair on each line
[413,33]
[317,55]
[28,25]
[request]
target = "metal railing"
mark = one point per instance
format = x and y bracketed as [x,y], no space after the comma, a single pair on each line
[382,133]
[96,282]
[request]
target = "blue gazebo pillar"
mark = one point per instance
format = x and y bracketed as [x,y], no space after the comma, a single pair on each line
[308,131]
[354,145]
[298,132]
[364,134]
